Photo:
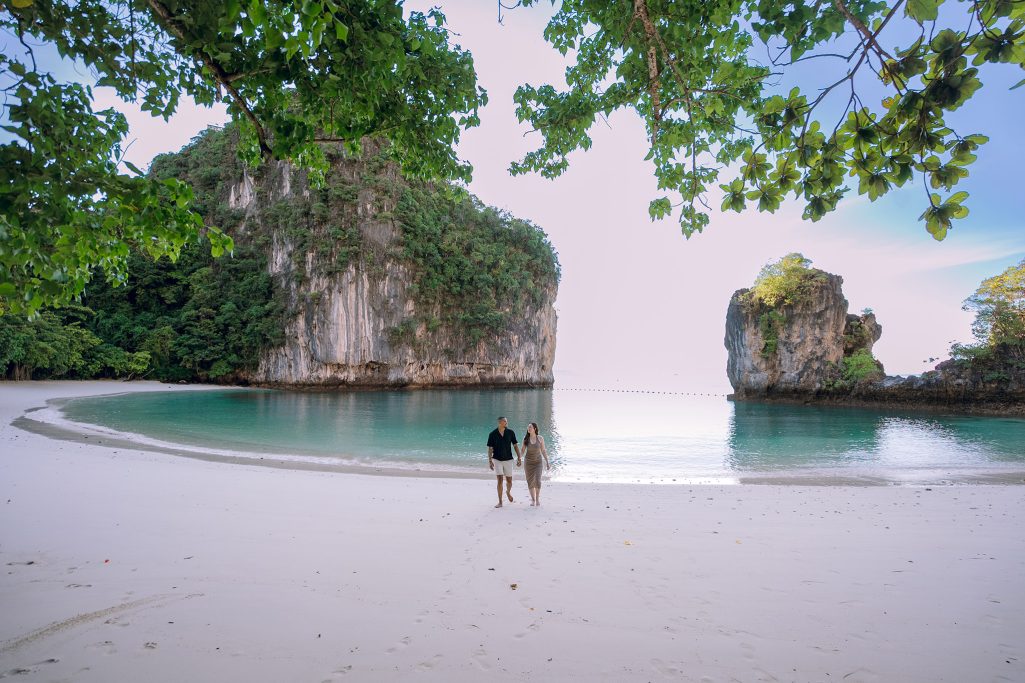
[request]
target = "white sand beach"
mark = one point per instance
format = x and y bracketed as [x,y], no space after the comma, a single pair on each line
[121,564]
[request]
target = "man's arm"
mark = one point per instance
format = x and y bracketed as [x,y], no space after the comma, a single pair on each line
[491,458]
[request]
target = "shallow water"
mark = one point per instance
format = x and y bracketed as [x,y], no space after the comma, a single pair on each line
[591,436]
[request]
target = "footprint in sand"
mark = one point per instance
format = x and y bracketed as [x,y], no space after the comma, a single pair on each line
[429,664]
[406,640]
[481,659]
[20,671]
[26,670]
[107,647]
[533,628]
[666,669]
[337,674]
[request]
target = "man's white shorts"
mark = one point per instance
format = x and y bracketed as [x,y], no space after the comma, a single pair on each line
[503,468]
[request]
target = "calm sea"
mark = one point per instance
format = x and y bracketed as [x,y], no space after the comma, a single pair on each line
[592,435]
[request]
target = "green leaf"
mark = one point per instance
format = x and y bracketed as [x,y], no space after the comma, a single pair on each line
[659,208]
[256,12]
[922,10]
[342,32]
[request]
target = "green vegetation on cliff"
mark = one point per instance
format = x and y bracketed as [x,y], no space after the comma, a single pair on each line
[785,282]
[475,264]
[858,367]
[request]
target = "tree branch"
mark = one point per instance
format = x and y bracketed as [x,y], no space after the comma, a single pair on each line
[641,13]
[860,26]
[223,78]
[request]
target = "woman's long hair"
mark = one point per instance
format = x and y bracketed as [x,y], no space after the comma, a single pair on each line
[526,439]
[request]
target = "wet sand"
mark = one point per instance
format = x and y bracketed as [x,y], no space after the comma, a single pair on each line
[126,564]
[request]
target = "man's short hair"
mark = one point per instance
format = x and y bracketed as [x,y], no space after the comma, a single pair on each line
[500,418]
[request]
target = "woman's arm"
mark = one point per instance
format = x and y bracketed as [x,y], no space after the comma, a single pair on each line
[544,451]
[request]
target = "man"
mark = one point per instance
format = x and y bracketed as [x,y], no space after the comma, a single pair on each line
[501,443]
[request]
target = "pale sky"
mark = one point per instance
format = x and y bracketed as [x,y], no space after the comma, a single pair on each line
[642,307]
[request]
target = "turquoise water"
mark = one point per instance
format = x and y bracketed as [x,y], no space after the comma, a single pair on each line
[591,436]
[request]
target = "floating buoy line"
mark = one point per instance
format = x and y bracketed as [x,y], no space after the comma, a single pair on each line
[642,391]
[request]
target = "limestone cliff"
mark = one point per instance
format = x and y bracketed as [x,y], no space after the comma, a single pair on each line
[386,282]
[794,349]
[814,350]
[346,328]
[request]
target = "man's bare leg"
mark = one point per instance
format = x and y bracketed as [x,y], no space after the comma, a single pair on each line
[499,479]
[508,489]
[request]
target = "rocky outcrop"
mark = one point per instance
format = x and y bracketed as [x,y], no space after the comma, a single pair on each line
[806,352]
[796,349]
[355,315]
[996,386]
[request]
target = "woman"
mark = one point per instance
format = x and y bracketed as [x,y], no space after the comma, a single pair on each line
[534,445]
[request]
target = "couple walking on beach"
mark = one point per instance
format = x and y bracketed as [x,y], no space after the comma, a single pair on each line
[501,443]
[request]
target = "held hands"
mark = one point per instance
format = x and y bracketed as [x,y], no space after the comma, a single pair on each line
[518,462]
[491,464]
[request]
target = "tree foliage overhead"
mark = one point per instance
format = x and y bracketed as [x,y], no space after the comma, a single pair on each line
[292,74]
[694,72]
[295,74]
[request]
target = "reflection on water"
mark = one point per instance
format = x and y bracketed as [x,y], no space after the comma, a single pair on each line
[591,436]
[767,436]
[764,436]
[777,436]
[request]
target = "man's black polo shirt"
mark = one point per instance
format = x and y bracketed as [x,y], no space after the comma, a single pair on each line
[502,444]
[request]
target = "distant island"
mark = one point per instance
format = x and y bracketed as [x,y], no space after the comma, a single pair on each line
[366,279]
[790,338]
